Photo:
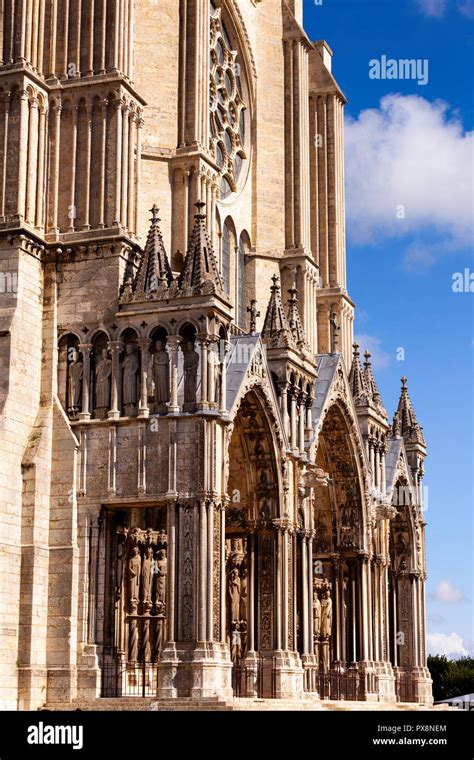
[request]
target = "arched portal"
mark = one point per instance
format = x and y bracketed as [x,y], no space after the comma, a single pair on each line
[256,604]
[340,567]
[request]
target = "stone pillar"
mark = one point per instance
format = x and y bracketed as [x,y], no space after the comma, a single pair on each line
[302,422]
[115,347]
[40,185]
[304,594]
[293,421]
[85,349]
[283,386]
[203,344]
[172,348]
[55,164]
[213,359]
[32,161]
[363,586]
[143,410]
[72,211]
[309,589]
[223,388]
[89,177]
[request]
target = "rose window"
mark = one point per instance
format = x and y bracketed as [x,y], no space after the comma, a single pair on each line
[227,108]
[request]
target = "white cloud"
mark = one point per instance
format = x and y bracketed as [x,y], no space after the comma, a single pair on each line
[450,645]
[380,358]
[446,592]
[409,158]
[432,8]
[466,7]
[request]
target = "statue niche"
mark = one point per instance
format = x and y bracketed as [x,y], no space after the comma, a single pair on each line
[190,367]
[144,599]
[322,622]
[161,376]
[74,385]
[103,372]
[237,583]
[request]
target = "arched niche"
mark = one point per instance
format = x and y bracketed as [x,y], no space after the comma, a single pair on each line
[101,375]
[130,373]
[159,370]
[70,374]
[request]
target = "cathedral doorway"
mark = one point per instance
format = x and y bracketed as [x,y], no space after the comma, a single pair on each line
[250,550]
[338,560]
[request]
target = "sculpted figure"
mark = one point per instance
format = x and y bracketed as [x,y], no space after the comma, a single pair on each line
[233,586]
[130,369]
[161,373]
[191,363]
[103,371]
[161,572]
[75,382]
[326,614]
[316,612]
[243,594]
[134,569]
[147,574]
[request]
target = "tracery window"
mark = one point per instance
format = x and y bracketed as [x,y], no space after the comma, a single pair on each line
[227,108]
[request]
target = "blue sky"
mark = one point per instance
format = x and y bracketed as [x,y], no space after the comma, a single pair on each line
[409,187]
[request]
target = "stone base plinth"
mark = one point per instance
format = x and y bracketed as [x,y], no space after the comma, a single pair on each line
[199,670]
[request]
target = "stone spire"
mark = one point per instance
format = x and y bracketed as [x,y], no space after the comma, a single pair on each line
[371,385]
[294,320]
[404,421]
[200,275]
[276,329]
[357,379]
[154,272]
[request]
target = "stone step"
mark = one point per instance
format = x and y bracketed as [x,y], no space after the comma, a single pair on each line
[306,704]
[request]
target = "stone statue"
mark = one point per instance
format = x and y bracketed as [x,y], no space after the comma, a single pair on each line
[243,593]
[134,571]
[130,369]
[103,372]
[76,371]
[233,586]
[191,363]
[316,612]
[147,574]
[161,572]
[161,373]
[326,614]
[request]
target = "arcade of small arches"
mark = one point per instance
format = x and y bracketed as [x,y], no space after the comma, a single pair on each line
[138,373]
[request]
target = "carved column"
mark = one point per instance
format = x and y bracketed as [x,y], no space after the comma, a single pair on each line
[143,410]
[172,348]
[89,176]
[40,184]
[304,594]
[202,606]
[203,345]
[32,160]
[251,593]
[85,349]
[283,386]
[302,422]
[309,589]
[363,586]
[223,388]
[115,346]
[213,356]
[293,421]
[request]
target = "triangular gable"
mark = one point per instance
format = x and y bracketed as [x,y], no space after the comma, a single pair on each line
[247,368]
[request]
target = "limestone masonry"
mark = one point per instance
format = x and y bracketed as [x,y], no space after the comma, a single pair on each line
[201,495]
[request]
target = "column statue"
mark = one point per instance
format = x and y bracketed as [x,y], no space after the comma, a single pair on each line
[233,587]
[134,571]
[161,572]
[147,575]
[130,369]
[191,363]
[103,373]
[161,373]
[76,371]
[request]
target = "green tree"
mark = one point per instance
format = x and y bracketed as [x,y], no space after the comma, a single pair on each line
[451,678]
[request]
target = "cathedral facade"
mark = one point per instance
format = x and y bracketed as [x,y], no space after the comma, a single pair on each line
[202,495]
